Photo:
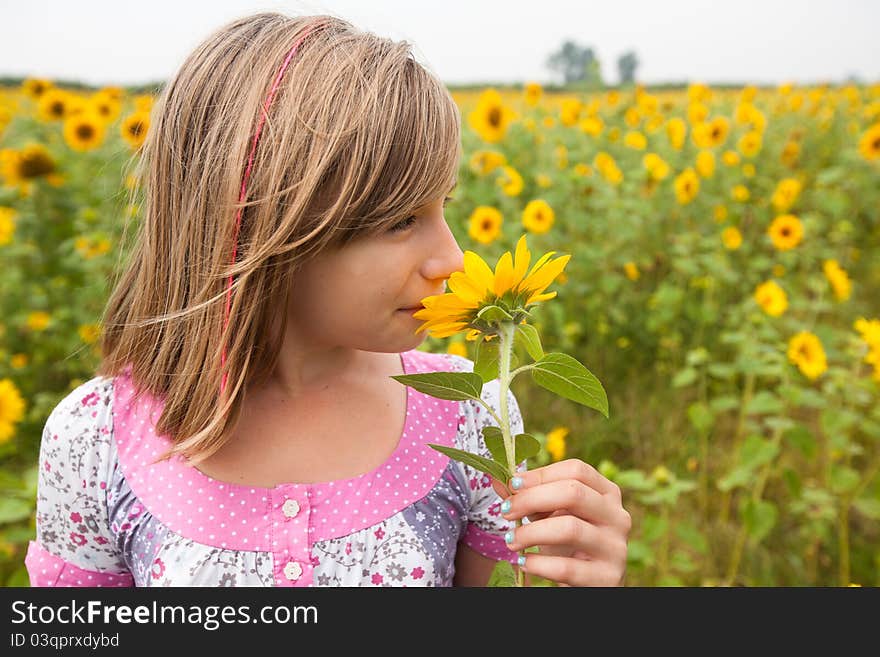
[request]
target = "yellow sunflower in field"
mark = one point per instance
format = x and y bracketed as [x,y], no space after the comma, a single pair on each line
[484,224]
[7,224]
[750,143]
[705,163]
[676,131]
[35,87]
[838,278]
[54,104]
[532,93]
[771,298]
[732,238]
[635,140]
[555,443]
[12,407]
[491,117]
[805,350]
[869,144]
[485,162]
[22,168]
[83,131]
[656,166]
[786,232]
[510,181]
[134,129]
[687,184]
[786,193]
[538,216]
[509,288]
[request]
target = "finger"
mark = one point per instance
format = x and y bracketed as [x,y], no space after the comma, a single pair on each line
[571,572]
[575,496]
[568,469]
[568,531]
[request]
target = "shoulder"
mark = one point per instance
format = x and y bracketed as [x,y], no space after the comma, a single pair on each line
[88,404]
[77,435]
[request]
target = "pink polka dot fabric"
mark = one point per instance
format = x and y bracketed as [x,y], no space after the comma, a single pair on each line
[289,518]
[45,569]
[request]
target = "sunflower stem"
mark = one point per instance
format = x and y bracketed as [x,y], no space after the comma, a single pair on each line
[505,346]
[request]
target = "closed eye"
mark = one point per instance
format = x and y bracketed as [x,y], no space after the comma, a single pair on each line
[409,221]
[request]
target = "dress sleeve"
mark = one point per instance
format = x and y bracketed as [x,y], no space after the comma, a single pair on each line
[75,544]
[486,526]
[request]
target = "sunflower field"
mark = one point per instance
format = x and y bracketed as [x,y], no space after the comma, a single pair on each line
[724,287]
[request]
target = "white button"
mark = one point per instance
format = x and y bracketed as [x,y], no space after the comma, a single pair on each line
[293,570]
[290,508]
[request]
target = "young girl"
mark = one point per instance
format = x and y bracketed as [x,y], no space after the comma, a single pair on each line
[243,428]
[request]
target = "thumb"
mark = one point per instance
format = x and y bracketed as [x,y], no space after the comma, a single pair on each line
[501,488]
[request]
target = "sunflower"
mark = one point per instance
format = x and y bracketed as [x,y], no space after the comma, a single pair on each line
[510,181]
[635,140]
[839,279]
[656,166]
[676,131]
[12,408]
[21,168]
[786,193]
[740,193]
[555,443]
[750,143]
[786,232]
[509,288]
[83,131]
[730,158]
[732,238]
[592,125]
[532,93]
[805,350]
[491,117]
[538,216]
[869,144]
[37,320]
[54,105]
[570,111]
[7,224]
[771,298]
[35,87]
[608,167]
[790,153]
[705,163]
[631,270]
[485,162]
[484,224]
[134,129]
[88,333]
[687,184]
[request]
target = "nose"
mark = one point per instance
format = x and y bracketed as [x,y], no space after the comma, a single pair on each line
[444,257]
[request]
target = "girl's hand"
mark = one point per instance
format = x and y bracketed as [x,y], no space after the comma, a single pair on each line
[577,519]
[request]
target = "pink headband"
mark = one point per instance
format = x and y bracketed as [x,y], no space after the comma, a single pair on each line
[244,182]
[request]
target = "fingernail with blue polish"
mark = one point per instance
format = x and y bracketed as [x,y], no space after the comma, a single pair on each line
[516,483]
[508,537]
[505,506]
[521,561]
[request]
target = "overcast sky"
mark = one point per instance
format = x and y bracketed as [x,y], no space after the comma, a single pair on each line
[751,41]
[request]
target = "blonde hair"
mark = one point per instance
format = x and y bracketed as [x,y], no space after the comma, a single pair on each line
[358,136]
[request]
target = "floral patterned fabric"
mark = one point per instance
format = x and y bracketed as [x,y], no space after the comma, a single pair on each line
[108,516]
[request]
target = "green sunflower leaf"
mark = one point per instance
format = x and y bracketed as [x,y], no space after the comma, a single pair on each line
[527,336]
[525,446]
[486,360]
[494,314]
[502,575]
[562,374]
[476,461]
[454,386]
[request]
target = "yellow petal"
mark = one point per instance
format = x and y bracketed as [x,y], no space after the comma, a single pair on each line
[478,271]
[504,274]
[547,274]
[465,288]
[521,260]
[537,298]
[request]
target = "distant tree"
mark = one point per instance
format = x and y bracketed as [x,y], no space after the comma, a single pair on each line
[577,64]
[626,67]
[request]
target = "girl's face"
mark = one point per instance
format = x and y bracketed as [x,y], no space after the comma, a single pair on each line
[356,297]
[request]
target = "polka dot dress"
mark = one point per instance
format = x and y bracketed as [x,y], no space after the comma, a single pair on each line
[108,515]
